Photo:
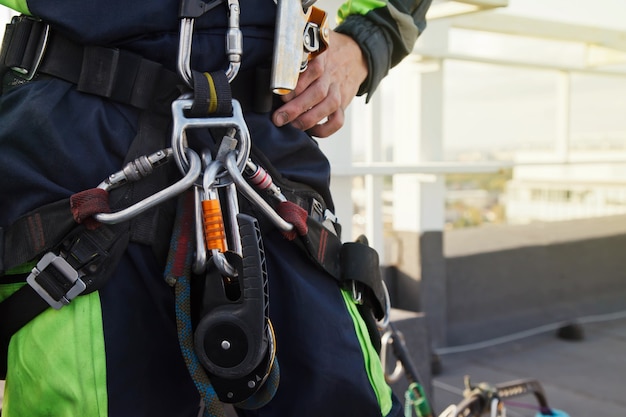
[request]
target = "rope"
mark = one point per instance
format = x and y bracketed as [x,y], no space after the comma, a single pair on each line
[177,273]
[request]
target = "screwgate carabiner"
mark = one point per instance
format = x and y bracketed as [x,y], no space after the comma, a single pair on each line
[189,11]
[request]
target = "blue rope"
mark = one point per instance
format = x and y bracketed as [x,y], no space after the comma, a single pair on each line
[177,272]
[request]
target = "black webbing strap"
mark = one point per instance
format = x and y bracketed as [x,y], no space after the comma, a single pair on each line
[90,253]
[81,263]
[13,319]
[349,263]
[31,47]
[211,95]
[355,265]
[154,226]
[8,34]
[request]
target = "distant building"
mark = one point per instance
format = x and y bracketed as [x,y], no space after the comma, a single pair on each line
[577,190]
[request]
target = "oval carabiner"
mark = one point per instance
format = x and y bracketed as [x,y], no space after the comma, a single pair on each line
[384,322]
[165,194]
[234,38]
[253,196]
[212,220]
[137,169]
[234,41]
[386,341]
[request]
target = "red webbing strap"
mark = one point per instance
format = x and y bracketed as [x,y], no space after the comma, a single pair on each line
[85,204]
[324,247]
[296,215]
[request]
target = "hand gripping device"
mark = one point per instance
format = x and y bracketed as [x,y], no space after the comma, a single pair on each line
[302,33]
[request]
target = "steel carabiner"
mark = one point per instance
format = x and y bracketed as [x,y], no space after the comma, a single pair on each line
[189,11]
[387,340]
[134,171]
[213,222]
[253,196]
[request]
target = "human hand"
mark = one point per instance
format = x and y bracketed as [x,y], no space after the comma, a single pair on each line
[325,89]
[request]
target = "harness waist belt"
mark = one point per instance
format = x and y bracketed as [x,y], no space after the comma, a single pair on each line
[32,47]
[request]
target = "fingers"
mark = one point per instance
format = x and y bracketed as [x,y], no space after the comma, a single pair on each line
[310,91]
[318,104]
[326,108]
[300,110]
[325,89]
[314,71]
[333,123]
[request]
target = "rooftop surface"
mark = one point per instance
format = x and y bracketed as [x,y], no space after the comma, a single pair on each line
[585,378]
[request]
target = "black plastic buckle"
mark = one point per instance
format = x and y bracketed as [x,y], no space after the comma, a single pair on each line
[57,285]
[28,46]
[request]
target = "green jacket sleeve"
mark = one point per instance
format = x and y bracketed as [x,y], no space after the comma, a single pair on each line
[385,30]
[17,5]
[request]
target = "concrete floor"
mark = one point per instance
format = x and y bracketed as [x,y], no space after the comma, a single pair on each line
[585,378]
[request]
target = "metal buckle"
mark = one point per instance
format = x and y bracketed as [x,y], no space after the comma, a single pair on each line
[61,265]
[29,73]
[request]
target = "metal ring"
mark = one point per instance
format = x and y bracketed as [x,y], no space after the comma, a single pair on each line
[181,123]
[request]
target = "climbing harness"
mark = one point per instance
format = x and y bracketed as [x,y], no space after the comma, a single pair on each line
[216,260]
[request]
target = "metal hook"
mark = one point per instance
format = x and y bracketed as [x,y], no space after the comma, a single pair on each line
[184,50]
[385,320]
[199,264]
[155,199]
[253,196]
[190,10]
[386,340]
[234,40]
